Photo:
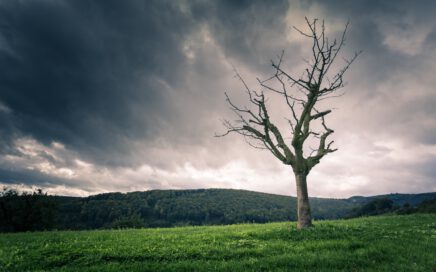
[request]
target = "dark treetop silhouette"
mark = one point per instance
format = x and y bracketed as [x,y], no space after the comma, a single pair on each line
[315,84]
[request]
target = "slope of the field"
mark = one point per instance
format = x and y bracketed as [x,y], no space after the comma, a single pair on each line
[384,243]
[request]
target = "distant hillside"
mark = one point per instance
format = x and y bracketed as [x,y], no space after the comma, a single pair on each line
[398,199]
[399,204]
[164,208]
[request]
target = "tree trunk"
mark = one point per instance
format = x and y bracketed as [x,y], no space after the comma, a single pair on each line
[303,205]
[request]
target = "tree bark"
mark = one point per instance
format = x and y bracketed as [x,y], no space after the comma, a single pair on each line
[303,205]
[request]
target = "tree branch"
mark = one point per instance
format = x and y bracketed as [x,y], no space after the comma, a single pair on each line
[313,85]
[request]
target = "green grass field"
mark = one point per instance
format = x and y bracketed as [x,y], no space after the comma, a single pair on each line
[388,243]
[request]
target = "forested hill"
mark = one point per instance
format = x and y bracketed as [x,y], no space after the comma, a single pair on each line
[164,208]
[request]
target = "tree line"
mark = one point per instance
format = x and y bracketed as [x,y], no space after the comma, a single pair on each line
[162,208]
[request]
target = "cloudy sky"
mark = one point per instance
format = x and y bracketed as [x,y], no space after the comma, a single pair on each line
[100,96]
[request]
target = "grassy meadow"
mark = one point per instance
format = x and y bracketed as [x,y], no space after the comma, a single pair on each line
[384,243]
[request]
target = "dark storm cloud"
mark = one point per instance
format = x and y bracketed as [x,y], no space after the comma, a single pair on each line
[372,21]
[87,73]
[32,178]
[249,31]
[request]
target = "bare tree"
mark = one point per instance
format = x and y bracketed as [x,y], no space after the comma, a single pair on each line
[316,83]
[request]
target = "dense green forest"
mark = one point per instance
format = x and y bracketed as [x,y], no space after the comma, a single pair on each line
[166,208]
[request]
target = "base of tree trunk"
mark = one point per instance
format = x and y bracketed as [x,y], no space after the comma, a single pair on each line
[304,225]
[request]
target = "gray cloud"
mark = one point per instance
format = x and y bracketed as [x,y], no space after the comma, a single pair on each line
[107,95]
[90,74]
